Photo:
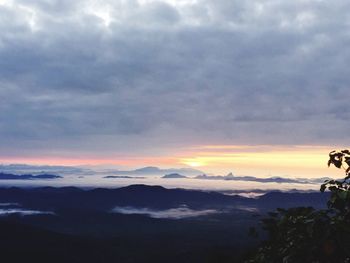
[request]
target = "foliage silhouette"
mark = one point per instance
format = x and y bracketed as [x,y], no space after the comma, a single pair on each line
[304,234]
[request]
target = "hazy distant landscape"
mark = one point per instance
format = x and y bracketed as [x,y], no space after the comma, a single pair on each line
[126,219]
[28,175]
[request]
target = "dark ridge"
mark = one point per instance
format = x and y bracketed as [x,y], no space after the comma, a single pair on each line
[156,197]
[6,176]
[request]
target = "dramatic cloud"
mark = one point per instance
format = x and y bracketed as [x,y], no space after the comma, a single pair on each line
[132,77]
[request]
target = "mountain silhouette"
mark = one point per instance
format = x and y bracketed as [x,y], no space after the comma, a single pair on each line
[6,176]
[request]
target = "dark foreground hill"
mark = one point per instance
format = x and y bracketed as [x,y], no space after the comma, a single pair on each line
[24,243]
[80,225]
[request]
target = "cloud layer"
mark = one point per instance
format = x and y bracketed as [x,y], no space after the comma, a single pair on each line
[135,77]
[173,213]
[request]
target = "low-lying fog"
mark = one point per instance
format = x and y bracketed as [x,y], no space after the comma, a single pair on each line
[92,181]
[173,213]
[14,208]
[90,178]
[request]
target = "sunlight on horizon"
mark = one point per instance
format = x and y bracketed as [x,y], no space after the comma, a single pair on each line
[262,160]
[265,160]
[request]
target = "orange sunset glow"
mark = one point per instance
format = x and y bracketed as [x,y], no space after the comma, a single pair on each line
[308,161]
[263,160]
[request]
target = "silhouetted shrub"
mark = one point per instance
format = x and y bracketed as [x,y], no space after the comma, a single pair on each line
[304,234]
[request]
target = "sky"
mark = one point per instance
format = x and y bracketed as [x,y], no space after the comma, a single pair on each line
[250,86]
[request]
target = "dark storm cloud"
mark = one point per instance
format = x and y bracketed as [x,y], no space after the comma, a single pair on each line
[113,75]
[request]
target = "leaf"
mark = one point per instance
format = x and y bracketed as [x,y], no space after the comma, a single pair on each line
[331,153]
[329,162]
[347,160]
[347,170]
[337,163]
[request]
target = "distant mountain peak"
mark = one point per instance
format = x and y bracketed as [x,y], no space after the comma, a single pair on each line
[152,170]
[174,175]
